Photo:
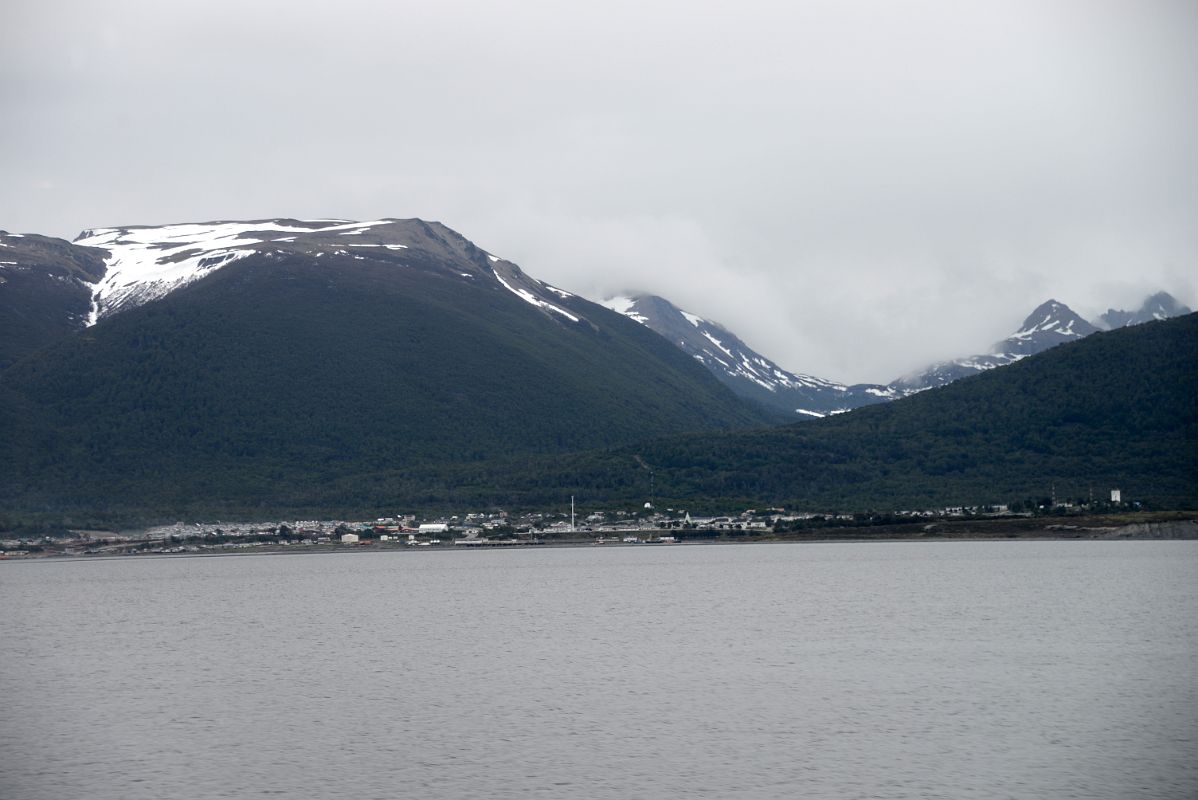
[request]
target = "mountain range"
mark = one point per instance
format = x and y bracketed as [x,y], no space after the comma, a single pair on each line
[52,287]
[314,366]
[279,355]
[755,377]
[1159,306]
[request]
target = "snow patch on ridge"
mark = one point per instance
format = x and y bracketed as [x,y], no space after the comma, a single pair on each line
[625,306]
[707,335]
[146,263]
[529,297]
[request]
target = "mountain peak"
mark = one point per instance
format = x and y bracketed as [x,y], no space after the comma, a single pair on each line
[1051,323]
[146,263]
[1053,315]
[1161,305]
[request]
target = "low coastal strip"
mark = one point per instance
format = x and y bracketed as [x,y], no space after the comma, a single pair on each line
[342,537]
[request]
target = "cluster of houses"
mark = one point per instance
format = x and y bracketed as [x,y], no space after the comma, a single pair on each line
[495,529]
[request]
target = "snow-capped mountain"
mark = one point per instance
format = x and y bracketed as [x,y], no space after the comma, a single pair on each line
[50,288]
[1051,324]
[754,376]
[271,361]
[148,263]
[1161,305]
[745,371]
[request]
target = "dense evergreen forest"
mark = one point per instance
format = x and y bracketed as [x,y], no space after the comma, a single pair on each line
[271,382]
[1115,410]
[209,431]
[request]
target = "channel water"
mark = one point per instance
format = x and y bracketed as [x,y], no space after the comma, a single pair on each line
[1058,669]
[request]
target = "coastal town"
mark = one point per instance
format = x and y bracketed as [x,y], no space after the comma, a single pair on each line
[642,526]
[495,529]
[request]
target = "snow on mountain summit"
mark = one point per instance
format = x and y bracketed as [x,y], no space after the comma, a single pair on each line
[113,269]
[1051,323]
[1161,305]
[147,263]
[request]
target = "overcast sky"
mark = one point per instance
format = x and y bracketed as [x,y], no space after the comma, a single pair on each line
[855,188]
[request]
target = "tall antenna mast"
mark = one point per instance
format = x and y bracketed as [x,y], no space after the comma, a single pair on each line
[572,528]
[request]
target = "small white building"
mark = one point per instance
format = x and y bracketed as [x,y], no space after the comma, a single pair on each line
[434,527]
[349,538]
[1116,496]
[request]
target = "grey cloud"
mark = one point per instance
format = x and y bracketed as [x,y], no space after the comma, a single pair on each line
[854,187]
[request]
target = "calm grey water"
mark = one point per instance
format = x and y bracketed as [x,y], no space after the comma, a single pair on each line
[954,670]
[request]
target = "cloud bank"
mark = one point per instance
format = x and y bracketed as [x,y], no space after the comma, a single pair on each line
[855,188]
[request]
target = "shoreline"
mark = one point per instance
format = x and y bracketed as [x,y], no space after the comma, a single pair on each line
[1180,527]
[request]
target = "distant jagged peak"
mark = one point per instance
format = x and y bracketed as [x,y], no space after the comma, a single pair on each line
[1050,323]
[746,371]
[1165,304]
[1052,316]
[1161,305]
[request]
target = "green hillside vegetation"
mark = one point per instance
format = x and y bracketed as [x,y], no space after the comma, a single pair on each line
[271,382]
[1116,410]
[299,389]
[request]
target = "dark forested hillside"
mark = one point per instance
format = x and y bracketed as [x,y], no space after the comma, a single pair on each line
[1115,410]
[325,388]
[273,381]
